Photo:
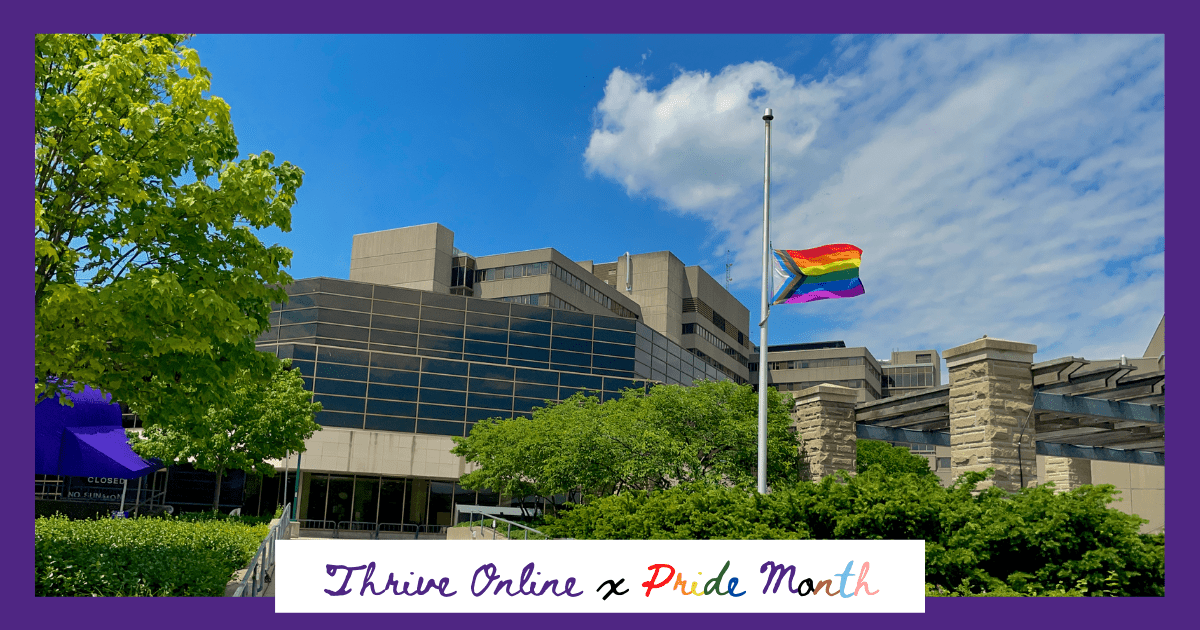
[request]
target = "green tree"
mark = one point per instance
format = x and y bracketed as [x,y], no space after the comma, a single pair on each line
[149,280]
[894,460]
[260,421]
[641,441]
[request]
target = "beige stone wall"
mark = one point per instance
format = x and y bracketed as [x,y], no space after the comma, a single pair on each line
[1142,490]
[824,417]
[1066,473]
[991,395]
[417,257]
[362,452]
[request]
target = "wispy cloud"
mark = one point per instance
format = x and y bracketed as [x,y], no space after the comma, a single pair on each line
[1008,186]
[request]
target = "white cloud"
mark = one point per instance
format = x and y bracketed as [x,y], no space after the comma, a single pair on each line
[989,180]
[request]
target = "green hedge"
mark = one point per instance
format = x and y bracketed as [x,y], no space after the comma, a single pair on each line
[140,557]
[990,542]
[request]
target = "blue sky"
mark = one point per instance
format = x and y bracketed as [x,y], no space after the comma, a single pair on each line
[1008,186]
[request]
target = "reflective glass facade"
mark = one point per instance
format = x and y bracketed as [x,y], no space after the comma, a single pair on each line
[390,359]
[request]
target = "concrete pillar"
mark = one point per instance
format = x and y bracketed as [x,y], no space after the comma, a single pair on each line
[824,417]
[991,395]
[1068,473]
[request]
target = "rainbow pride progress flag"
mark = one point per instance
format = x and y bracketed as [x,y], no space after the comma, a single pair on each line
[820,273]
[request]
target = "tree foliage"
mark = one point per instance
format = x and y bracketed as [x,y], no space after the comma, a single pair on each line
[641,441]
[989,542]
[260,421]
[893,460]
[149,280]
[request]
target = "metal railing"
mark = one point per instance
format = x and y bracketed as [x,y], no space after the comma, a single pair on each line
[496,522]
[262,566]
[374,529]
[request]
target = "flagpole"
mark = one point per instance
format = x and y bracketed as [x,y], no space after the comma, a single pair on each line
[765,310]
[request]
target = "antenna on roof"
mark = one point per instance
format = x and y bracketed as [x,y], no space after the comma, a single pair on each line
[728,267]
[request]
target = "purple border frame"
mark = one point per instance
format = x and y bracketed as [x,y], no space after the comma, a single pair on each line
[543,16]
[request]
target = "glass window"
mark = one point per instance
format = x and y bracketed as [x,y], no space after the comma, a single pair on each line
[395,377]
[391,407]
[439,412]
[391,500]
[441,381]
[312,496]
[366,499]
[388,423]
[441,503]
[417,501]
[340,388]
[440,427]
[341,495]
[443,397]
[341,372]
[339,403]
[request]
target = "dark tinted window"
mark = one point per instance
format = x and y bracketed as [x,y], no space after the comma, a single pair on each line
[443,397]
[340,355]
[392,408]
[343,372]
[577,332]
[384,423]
[487,321]
[528,354]
[530,312]
[486,334]
[340,388]
[617,323]
[441,381]
[530,390]
[410,311]
[492,371]
[486,349]
[338,403]
[439,412]
[475,415]
[489,401]
[301,316]
[395,377]
[399,324]
[580,380]
[349,318]
[441,315]
[396,294]
[543,377]
[437,366]
[530,326]
[569,317]
[392,392]
[613,349]
[337,331]
[443,301]
[297,331]
[334,419]
[573,345]
[441,344]
[528,339]
[570,358]
[435,427]
[342,302]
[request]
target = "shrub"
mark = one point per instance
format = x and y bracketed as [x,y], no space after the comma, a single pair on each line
[977,543]
[140,557]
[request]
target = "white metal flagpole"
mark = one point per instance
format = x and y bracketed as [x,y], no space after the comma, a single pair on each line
[762,326]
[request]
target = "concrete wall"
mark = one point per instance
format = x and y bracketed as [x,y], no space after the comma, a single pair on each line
[417,257]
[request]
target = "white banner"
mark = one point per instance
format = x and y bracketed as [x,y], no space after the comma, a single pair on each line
[596,576]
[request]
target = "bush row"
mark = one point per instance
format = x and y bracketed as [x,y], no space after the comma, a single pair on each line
[1033,542]
[140,557]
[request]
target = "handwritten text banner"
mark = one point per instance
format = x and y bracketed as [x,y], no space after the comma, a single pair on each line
[599,576]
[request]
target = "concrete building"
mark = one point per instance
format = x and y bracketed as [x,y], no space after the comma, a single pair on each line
[684,303]
[799,366]
[399,372]
[909,371]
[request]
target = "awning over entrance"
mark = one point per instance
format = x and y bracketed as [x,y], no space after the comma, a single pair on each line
[84,440]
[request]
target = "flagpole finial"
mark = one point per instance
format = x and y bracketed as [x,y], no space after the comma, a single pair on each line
[768,115]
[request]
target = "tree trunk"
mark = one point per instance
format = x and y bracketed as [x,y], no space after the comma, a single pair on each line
[217,490]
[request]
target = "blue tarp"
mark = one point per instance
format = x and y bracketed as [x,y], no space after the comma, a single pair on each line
[85,440]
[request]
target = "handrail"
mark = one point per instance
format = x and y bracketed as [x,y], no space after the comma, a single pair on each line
[262,565]
[484,516]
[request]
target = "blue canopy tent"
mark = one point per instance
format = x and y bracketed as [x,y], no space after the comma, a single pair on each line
[85,440]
